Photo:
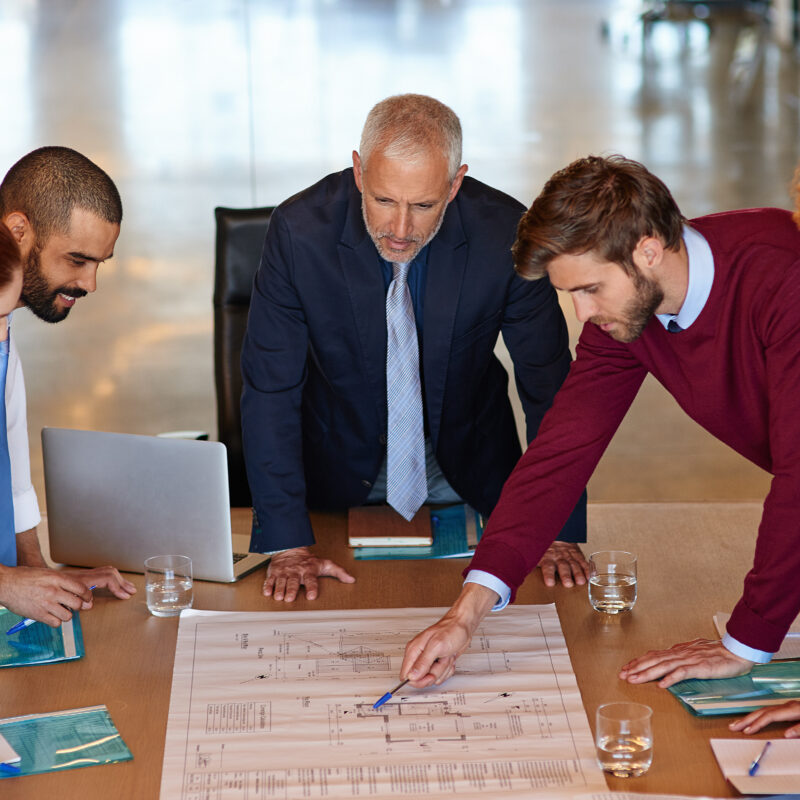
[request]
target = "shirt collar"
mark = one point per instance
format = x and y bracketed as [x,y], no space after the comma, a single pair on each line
[701,276]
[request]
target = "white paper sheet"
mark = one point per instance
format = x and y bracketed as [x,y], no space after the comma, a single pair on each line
[778,771]
[8,755]
[790,647]
[268,705]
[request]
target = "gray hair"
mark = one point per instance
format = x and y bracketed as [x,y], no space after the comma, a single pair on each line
[408,126]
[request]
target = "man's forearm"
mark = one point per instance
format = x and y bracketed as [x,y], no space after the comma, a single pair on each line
[472,605]
[29,552]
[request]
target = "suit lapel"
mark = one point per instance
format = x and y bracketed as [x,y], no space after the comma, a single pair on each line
[447,261]
[361,271]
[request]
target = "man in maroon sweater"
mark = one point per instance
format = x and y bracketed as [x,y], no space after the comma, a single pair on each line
[711,308]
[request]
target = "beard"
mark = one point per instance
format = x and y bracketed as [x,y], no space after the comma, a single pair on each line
[408,256]
[638,312]
[38,295]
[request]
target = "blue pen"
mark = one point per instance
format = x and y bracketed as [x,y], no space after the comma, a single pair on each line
[11,769]
[388,695]
[27,622]
[23,623]
[757,760]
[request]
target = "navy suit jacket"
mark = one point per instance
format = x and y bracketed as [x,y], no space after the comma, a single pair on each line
[314,413]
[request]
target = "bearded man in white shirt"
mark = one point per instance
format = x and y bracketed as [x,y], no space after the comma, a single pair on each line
[64,214]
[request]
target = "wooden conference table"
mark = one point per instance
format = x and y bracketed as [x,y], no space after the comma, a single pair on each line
[692,560]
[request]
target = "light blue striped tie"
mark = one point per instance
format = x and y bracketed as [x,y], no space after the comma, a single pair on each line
[406,485]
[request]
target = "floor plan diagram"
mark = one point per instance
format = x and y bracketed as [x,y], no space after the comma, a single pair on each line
[271,705]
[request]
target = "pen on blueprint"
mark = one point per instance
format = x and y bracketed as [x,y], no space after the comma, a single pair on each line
[757,760]
[27,622]
[388,695]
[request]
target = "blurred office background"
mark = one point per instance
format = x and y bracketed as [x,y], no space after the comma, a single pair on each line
[190,104]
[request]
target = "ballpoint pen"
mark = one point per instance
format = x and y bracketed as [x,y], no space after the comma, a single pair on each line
[388,695]
[27,622]
[757,760]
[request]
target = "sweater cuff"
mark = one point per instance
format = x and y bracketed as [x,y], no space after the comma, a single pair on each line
[754,631]
[500,560]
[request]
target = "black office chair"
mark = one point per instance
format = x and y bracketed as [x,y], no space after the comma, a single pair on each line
[240,239]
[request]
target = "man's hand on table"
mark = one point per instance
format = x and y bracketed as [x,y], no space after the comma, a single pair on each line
[430,656]
[102,578]
[564,560]
[43,594]
[700,658]
[290,570]
[757,720]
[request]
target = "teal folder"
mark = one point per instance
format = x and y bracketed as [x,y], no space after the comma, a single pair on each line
[765,684]
[82,737]
[39,643]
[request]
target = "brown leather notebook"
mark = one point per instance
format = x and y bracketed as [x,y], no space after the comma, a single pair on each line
[382,526]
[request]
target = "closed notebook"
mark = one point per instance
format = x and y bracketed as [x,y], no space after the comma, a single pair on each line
[382,526]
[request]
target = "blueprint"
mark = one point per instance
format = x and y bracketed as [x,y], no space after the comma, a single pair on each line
[279,705]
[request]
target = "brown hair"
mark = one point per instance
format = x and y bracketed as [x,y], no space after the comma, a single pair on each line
[10,258]
[599,205]
[48,183]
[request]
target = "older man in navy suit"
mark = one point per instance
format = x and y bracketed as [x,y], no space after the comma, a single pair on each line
[395,273]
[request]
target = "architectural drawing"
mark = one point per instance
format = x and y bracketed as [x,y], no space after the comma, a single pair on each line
[275,705]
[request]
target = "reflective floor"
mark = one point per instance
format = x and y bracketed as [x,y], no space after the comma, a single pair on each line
[190,104]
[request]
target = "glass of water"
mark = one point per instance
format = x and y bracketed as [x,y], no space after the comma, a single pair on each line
[624,738]
[168,582]
[612,582]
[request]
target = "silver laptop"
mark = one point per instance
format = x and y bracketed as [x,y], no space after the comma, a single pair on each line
[116,498]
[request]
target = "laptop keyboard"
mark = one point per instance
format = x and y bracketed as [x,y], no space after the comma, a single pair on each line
[237,557]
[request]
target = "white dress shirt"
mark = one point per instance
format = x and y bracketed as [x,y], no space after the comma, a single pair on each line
[26,506]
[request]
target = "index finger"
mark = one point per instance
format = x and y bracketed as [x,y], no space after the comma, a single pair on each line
[108,578]
[420,654]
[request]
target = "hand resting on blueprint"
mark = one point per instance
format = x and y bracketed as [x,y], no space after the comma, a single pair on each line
[50,596]
[700,658]
[564,560]
[290,570]
[756,720]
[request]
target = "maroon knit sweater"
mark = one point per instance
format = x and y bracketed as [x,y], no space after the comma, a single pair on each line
[735,371]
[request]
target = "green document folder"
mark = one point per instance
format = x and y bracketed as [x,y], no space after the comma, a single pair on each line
[764,685]
[456,533]
[82,737]
[39,643]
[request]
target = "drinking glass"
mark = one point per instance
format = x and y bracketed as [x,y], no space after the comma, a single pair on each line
[168,582]
[624,738]
[612,582]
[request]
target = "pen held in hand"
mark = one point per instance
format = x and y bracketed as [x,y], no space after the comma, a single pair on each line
[388,695]
[757,760]
[27,622]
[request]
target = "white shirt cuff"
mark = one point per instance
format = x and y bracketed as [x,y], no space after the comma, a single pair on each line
[490,582]
[743,651]
[26,510]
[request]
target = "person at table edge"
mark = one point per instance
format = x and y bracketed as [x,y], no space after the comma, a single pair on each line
[711,308]
[314,358]
[64,213]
